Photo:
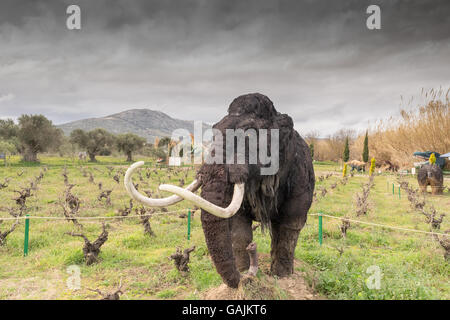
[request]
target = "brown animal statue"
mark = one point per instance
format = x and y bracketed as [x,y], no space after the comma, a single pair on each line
[358,165]
[431,175]
[234,195]
[387,165]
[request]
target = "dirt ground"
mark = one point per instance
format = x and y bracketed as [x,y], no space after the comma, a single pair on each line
[266,287]
[24,288]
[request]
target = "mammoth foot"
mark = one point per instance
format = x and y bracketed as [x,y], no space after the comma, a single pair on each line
[436,190]
[282,269]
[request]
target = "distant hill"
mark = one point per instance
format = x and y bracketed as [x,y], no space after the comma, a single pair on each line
[143,122]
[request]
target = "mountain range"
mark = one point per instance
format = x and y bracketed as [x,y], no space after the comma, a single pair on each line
[146,123]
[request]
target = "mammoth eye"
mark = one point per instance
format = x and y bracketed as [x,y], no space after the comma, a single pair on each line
[246,123]
[252,130]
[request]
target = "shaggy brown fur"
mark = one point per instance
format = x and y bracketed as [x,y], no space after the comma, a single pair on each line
[431,175]
[279,202]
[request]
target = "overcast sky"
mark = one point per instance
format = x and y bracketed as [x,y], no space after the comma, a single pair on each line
[316,60]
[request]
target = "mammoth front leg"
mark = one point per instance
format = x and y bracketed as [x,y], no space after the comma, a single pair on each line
[436,189]
[241,236]
[285,233]
[437,185]
[284,241]
[423,188]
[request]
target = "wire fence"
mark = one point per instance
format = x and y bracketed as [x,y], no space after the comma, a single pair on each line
[27,219]
[185,210]
[92,217]
[380,225]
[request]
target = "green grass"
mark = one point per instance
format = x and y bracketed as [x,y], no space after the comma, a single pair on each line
[412,264]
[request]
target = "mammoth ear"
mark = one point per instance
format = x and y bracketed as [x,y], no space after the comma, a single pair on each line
[237,173]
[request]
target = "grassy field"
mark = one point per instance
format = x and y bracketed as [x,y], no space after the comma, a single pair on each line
[412,264]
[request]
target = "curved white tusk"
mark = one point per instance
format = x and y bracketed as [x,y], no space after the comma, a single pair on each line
[220,212]
[129,186]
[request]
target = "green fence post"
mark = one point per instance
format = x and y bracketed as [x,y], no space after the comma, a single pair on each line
[393,190]
[27,231]
[320,228]
[189,225]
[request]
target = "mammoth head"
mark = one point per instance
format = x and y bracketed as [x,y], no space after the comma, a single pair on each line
[252,107]
[252,138]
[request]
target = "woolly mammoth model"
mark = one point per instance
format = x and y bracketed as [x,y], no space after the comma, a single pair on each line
[235,193]
[431,175]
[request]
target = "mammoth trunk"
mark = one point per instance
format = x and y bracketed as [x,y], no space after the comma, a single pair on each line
[218,232]
[218,239]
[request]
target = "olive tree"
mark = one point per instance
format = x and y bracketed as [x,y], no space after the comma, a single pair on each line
[9,132]
[6,149]
[164,142]
[129,143]
[94,141]
[37,134]
[8,129]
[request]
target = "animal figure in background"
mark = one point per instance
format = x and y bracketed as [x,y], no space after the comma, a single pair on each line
[389,166]
[234,195]
[82,156]
[358,165]
[431,175]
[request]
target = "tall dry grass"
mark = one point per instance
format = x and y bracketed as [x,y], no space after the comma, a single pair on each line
[421,128]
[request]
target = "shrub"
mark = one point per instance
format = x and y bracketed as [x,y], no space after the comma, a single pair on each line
[372,166]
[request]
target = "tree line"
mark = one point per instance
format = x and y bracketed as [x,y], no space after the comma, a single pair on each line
[338,146]
[34,134]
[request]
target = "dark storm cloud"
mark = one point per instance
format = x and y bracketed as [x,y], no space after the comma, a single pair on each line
[316,60]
